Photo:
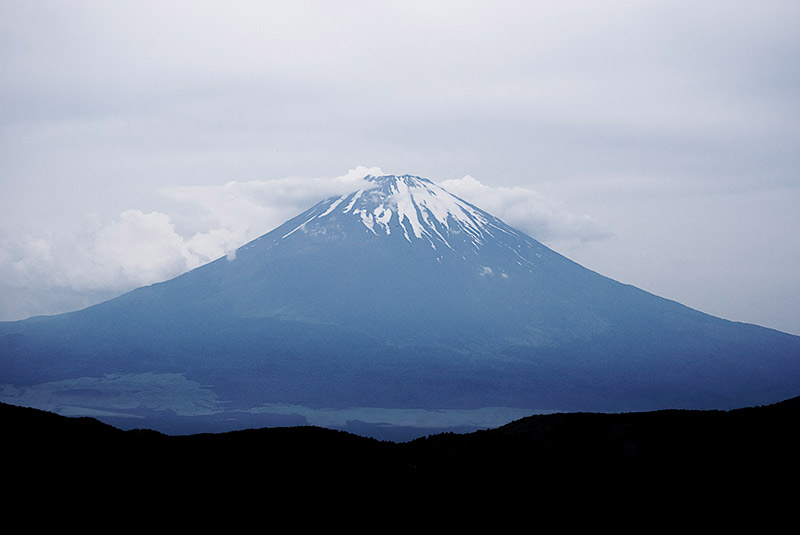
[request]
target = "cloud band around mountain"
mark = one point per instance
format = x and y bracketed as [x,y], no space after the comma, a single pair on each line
[204,223]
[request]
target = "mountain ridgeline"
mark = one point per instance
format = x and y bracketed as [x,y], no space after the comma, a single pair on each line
[396,296]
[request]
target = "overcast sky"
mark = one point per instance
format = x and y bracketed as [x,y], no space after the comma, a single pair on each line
[657,143]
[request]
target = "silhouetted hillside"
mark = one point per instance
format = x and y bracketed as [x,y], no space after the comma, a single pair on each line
[743,458]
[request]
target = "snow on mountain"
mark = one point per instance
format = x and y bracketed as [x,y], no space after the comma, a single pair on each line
[417,206]
[420,212]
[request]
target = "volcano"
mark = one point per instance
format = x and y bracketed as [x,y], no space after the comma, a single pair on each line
[400,301]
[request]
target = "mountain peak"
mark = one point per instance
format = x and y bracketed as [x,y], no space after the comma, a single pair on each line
[412,181]
[411,206]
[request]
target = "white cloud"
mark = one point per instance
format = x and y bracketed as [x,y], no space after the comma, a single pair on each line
[139,248]
[135,249]
[528,210]
[232,214]
[142,248]
[204,223]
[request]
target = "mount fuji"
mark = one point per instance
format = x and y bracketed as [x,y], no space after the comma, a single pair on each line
[398,304]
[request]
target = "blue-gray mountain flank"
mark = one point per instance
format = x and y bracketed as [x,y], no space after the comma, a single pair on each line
[395,296]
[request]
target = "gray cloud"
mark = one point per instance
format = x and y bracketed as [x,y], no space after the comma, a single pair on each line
[622,111]
[206,222]
[138,248]
[528,210]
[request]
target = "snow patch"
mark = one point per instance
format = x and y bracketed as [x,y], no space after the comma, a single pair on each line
[352,202]
[333,206]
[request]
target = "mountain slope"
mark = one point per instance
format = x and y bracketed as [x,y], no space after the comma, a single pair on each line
[397,296]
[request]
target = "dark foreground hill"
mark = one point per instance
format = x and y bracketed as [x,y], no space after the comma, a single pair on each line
[745,458]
